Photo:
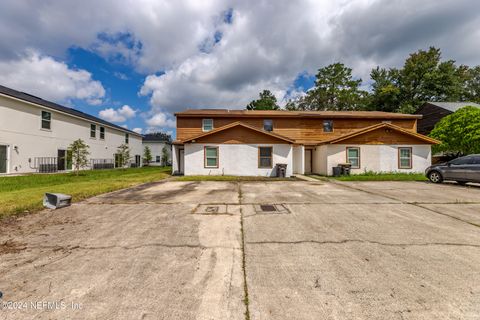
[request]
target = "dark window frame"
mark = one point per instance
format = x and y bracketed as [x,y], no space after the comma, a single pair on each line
[46,121]
[410,166]
[270,126]
[93,131]
[205,157]
[359,157]
[157,159]
[260,157]
[127,138]
[102,133]
[329,123]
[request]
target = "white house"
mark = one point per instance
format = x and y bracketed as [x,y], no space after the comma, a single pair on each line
[157,143]
[257,142]
[35,135]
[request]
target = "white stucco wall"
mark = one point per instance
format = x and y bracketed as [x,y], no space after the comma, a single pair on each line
[20,127]
[378,158]
[236,159]
[156,148]
[299,159]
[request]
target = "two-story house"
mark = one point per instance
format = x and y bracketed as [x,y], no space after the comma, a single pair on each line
[35,135]
[158,145]
[252,143]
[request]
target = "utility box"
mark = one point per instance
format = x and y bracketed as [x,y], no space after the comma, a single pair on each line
[56,200]
[281,170]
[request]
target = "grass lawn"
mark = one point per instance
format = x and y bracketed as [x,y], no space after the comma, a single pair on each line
[230,178]
[25,193]
[378,176]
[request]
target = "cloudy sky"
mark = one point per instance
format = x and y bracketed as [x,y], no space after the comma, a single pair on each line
[136,62]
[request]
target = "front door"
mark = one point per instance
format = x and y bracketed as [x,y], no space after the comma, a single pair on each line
[61,160]
[308,161]
[3,159]
[137,160]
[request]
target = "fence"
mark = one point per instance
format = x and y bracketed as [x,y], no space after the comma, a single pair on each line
[97,164]
[45,164]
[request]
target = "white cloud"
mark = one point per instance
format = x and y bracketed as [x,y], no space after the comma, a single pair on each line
[160,120]
[267,45]
[137,130]
[117,115]
[50,79]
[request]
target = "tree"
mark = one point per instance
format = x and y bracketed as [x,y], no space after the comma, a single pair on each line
[335,89]
[267,101]
[123,152]
[147,155]
[423,77]
[459,132]
[165,155]
[80,154]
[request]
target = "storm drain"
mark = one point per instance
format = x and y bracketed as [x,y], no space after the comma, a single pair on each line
[268,207]
[271,209]
[211,209]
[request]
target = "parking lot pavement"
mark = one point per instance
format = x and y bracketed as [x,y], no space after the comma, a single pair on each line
[361,261]
[173,250]
[124,261]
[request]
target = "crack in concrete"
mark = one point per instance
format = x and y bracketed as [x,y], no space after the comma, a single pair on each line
[369,242]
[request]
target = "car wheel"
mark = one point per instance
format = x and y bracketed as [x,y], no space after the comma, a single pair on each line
[435,177]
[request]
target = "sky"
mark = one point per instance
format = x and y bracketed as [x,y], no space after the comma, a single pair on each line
[137,62]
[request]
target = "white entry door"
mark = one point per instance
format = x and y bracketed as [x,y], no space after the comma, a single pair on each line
[308,161]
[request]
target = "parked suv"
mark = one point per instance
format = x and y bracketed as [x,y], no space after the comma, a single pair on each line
[463,170]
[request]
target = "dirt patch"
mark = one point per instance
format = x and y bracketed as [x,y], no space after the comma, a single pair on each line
[11,246]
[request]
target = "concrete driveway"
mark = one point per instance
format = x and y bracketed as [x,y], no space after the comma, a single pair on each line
[177,250]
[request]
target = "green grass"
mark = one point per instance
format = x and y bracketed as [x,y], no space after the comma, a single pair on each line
[25,193]
[378,176]
[230,178]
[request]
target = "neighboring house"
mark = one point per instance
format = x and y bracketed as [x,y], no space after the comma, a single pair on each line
[252,143]
[156,143]
[35,135]
[433,112]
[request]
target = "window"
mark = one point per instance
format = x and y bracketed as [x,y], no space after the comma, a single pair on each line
[327,125]
[46,120]
[353,157]
[462,161]
[476,160]
[102,133]
[211,157]
[405,158]
[265,157]
[93,131]
[207,124]
[157,159]
[268,125]
[126,138]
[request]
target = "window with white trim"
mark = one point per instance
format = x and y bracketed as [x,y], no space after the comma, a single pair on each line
[207,125]
[353,157]
[405,158]
[102,133]
[211,157]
